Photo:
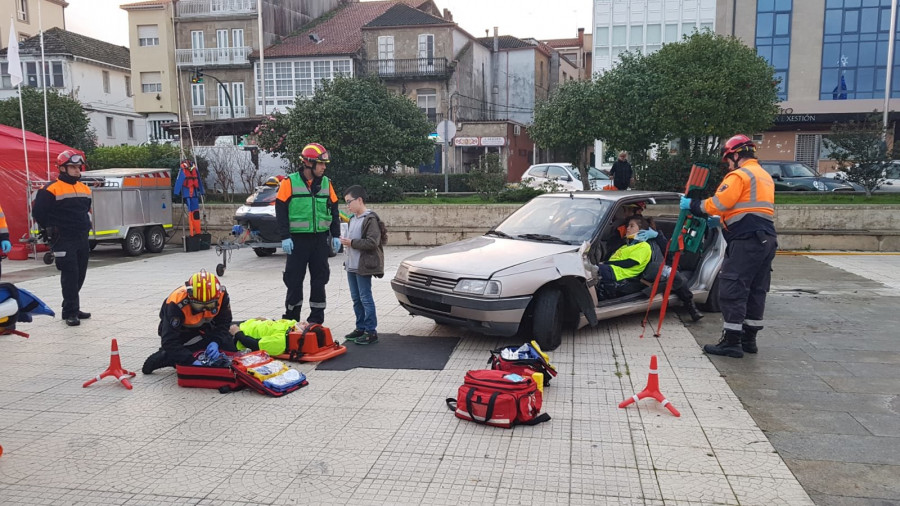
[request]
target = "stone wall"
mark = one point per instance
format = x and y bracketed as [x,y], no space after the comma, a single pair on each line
[818,227]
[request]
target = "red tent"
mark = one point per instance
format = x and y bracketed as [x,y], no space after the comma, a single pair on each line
[13,194]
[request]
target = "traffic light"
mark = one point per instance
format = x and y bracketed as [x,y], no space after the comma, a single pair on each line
[197,77]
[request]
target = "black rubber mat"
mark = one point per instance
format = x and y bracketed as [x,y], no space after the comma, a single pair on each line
[393,351]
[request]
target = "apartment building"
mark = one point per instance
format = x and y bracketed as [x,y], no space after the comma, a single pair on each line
[28,23]
[578,52]
[94,72]
[831,58]
[215,38]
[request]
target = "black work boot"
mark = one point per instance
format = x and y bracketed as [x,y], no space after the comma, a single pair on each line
[748,342]
[291,314]
[728,346]
[693,311]
[154,362]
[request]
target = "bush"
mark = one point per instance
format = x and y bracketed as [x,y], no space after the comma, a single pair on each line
[487,178]
[518,192]
[670,173]
[419,182]
[379,187]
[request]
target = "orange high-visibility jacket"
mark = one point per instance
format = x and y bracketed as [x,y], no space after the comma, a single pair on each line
[747,190]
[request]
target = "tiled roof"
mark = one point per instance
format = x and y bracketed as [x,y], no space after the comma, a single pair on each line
[61,42]
[404,15]
[340,35]
[506,42]
[147,3]
[563,43]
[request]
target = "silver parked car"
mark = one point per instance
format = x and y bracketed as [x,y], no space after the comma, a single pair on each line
[563,176]
[534,274]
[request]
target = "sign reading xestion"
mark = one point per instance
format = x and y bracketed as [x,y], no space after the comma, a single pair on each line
[479,141]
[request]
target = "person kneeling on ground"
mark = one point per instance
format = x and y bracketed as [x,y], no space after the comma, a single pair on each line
[619,274]
[658,243]
[193,316]
[264,334]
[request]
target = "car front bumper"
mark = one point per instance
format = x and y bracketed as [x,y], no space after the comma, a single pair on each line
[495,317]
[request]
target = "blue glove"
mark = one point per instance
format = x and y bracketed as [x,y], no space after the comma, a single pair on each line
[212,351]
[685,203]
[6,246]
[287,245]
[335,244]
[714,222]
[646,235]
[197,362]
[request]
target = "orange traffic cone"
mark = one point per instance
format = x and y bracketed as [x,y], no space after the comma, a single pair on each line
[115,369]
[651,390]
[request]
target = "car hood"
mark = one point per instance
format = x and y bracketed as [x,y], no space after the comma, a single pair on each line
[483,256]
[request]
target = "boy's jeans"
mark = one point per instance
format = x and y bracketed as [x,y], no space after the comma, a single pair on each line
[363,303]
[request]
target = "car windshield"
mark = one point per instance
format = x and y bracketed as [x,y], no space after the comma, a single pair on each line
[797,170]
[263,194]
[593,173]
[556,219]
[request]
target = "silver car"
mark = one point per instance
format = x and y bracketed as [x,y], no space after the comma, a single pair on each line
[533,275]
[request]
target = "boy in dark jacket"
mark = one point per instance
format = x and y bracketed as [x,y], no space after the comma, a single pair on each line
[364,244]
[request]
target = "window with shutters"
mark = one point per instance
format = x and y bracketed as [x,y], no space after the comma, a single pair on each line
[148,35]
[807,151]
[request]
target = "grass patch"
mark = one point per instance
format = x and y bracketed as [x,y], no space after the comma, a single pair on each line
[468,199]
[836,198]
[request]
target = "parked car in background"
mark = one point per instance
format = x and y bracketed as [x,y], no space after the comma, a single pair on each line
[564,175]
[535,273]
[891,178]
[796,176]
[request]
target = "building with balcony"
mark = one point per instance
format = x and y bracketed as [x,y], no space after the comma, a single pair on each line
[831,59]
[215,38]
[91,71]
[25,15]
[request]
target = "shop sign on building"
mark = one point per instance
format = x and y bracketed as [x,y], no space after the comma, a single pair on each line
[493,141]
[465,141]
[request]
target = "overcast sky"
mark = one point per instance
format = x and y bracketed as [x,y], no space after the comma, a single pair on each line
[104,20]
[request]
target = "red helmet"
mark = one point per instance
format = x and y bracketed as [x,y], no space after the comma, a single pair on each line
[314,153]
[203,290]
[737,144]
[70,157]
[187,164]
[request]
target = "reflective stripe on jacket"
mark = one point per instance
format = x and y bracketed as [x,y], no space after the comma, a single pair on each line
[308,213]
[745,191]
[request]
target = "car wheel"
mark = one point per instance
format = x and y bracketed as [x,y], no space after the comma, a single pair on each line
[156,239]
[264,252]
[133,244]
[712,300]
[547,324]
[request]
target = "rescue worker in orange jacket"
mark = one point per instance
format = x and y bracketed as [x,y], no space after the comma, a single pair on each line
[306,211]
[745,204]
[62,209]
[5,245]
[193,316]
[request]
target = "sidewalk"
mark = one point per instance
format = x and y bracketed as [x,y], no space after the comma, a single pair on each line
[366,436]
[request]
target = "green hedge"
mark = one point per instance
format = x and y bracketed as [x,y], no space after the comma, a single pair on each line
[670,173]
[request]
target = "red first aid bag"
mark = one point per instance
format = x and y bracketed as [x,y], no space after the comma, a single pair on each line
[218,378]
[498,398]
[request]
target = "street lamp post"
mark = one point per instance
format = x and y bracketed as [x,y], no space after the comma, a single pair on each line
[890,67]
[198,77]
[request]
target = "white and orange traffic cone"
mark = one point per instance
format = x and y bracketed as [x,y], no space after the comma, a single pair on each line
[651,390]
[115,369]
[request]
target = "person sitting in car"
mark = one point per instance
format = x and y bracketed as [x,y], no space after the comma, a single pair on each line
[620,274]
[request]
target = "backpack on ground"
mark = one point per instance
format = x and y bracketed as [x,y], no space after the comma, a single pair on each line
[499,399]
[524,360]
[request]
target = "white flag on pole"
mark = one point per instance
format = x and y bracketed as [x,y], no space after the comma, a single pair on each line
[12,55]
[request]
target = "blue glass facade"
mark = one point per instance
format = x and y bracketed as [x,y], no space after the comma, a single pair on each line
[854,50]
[773,38]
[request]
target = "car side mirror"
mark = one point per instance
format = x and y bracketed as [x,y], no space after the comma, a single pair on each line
[777,177]
[565,178]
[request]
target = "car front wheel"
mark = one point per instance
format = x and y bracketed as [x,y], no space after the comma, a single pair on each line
[547,325]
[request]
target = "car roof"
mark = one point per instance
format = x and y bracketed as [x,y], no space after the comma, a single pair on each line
[612,195]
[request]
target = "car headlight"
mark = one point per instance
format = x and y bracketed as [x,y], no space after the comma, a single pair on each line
[488,288]
[818,185]
[402,273]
